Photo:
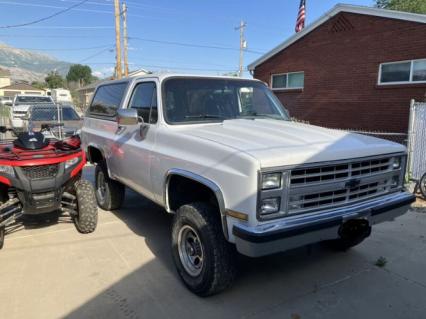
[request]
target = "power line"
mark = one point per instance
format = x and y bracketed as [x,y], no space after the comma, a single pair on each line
[193,45]
[164,67]
[53,7]
[52,36]
[65,49]
[68,27]
[45,18]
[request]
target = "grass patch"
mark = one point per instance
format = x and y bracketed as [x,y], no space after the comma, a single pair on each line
[381,262]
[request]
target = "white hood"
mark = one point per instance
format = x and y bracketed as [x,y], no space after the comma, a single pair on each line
[22,107]
[279,143]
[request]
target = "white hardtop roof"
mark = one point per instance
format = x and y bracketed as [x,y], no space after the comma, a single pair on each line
[163,76]
[391,14]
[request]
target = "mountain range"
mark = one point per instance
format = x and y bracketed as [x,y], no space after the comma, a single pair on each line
[28,65]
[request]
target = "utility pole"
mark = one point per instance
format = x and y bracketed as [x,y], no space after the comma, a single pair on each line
[243,46]
[126,61]
[118,71]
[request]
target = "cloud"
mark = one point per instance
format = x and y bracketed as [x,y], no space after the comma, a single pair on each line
[105,72]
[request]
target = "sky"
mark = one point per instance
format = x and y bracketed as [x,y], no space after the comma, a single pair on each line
[86,34]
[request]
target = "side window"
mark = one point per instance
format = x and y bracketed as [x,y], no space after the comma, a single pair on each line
[107,99]
[144,99]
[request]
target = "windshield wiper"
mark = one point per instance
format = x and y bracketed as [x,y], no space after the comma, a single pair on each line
[204,116]
[255,114]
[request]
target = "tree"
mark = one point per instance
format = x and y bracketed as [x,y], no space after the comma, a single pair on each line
[82,74]
[54,80]
[39,85]
[416,6]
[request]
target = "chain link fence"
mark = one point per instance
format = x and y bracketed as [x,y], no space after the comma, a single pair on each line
[55,120]
[401,138]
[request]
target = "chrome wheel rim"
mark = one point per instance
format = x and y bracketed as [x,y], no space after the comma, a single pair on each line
[101,186]
[191,252]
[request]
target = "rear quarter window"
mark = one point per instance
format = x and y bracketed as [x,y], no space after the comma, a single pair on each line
[107,100]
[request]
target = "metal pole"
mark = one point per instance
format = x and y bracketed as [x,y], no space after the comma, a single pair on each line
[242,47]
[126,62]
[411,138]
[117,38]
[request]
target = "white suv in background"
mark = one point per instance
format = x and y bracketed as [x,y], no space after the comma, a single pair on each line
[21,106]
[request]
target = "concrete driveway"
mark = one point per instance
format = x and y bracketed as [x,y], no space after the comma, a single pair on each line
[125,270]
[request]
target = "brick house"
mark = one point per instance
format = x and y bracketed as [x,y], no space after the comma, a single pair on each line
[354,68]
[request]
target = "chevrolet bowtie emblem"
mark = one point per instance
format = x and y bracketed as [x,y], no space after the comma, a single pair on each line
[352,183]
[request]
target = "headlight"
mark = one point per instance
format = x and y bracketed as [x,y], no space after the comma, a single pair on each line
[71,162]
[7,170]
[271,180]
[270,206]
[396,163]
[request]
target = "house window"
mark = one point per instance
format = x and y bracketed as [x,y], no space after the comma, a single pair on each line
[403,72]
[286,81]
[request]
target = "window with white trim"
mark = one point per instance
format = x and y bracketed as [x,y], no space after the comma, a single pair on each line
[403,72]
[286,81]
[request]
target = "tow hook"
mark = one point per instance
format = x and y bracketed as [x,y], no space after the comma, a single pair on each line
[355,229]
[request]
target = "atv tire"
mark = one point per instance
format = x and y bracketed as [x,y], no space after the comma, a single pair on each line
[87,217]
[109,193]
[197,234]
[422,186]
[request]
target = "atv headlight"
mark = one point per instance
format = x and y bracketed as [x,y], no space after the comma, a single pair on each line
[71,162]
[7,170]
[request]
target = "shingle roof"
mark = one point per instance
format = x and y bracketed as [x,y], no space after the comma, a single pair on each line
[390,14]
[21,87]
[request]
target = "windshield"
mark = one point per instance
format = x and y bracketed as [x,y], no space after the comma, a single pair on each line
[190,100]
[33,99]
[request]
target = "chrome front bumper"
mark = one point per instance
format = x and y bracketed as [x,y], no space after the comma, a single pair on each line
[300,230]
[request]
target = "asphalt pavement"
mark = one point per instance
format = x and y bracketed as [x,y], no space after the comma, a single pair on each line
[125,270]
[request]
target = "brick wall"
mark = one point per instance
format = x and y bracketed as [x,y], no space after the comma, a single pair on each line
[341,61]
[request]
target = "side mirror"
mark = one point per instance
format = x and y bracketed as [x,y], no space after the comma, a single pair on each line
[3,129]
[127,117]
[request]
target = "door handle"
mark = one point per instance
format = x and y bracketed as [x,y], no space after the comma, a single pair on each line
[143,128]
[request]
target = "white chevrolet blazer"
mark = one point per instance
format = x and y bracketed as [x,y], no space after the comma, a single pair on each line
[223,156]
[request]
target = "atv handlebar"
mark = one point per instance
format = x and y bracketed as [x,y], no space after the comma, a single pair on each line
[49,126]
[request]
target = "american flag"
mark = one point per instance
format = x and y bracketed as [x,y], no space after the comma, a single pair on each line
[300,22]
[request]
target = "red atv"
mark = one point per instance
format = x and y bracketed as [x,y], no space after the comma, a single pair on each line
[39,175]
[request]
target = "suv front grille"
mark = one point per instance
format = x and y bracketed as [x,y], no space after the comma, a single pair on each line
[331,185]
[41,171]
[329,173]
[338,196]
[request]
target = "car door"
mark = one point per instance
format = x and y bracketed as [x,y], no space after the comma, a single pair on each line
[134,144]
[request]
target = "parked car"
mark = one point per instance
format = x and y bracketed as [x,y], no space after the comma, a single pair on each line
[21,106]
[6,101]
[65,115]
[222,155]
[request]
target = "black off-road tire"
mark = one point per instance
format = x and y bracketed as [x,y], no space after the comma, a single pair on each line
[113,193]
[219,262]
[422,185]
[87,218]
[2,234]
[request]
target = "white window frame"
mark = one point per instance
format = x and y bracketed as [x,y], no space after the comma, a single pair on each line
[410,81]
[287,88]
